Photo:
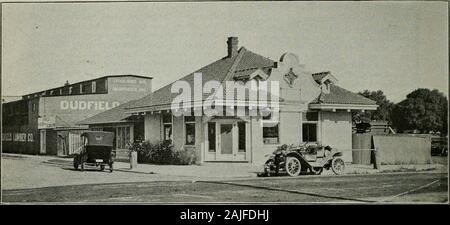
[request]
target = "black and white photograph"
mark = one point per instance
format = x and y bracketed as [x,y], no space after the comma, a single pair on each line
[224,102]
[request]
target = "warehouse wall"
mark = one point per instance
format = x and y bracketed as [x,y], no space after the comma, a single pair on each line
[336,131]
[20,139]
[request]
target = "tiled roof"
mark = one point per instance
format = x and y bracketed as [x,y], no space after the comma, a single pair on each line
[339,95]
[218,70]
[251,60]
[245,74]
[114,115]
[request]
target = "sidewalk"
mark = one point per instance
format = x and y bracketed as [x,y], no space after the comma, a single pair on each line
[219,170]
[247,170]
[206,170]
[30,171]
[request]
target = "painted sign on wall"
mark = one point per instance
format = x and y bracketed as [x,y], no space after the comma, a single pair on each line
[130,85]
[46,122]
[22,137]
[30,137]
[87,105]
[6,136]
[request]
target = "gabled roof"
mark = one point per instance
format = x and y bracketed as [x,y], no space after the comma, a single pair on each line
[339,95]
[319,76]
[323,76]
[221,70]
[247,74]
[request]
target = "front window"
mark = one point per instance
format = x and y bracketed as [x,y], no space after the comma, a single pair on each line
[309,126]
[271,131]
[309,132]
[211,136]
[167,126]
[241,136]
[189,122]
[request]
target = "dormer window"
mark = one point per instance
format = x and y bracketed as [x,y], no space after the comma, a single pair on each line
[326,87]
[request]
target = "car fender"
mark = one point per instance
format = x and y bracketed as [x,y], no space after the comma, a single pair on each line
[299,157]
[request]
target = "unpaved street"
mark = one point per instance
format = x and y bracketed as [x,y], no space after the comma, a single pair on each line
[63,184]
[362,189]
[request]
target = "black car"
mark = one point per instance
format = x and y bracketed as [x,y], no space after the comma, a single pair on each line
[97,150]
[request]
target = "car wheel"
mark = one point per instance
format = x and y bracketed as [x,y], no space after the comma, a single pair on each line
[102,167]
[337,165]
[75,164]
[293,166]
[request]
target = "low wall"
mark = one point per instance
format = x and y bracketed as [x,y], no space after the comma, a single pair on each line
[403,149]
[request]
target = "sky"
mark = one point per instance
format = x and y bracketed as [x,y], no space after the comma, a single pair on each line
[395,47]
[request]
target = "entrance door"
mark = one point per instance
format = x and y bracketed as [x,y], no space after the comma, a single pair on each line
[226,150]
[232,144]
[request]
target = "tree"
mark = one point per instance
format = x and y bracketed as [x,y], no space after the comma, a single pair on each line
[424,110]
[383,112]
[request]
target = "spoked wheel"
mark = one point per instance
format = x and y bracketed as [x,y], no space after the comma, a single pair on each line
[293,166]
[102,167]
[75,164]
[337,165]
[270,168]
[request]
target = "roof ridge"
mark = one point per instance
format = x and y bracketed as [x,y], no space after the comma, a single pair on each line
[253,68]
[230,72]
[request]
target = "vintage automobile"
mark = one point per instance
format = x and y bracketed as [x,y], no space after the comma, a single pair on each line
[439,146]
[296,159]
[96,150]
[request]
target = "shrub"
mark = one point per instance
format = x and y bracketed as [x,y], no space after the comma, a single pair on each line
[162,153]
[184,157]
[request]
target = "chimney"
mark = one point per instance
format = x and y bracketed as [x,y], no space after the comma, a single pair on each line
[232,46]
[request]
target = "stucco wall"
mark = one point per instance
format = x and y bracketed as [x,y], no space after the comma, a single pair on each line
[199,139]
[153,132]
[178,131]
[152,127]
[336,131]
[290,132]
[258,148]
